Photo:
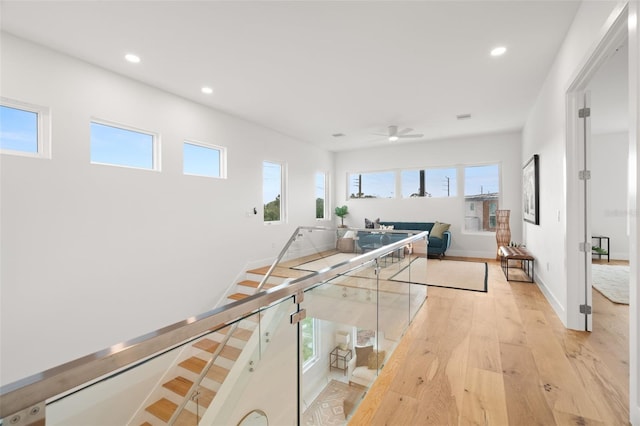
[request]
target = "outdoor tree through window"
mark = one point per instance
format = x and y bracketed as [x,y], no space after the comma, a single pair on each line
[272,191]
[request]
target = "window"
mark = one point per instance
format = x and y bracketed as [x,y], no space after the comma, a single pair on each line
[321,196]
[481,196]
[272,189]
[203,160]
[429,183]
[309,341]
[120,146]
[24,129]
[372,185]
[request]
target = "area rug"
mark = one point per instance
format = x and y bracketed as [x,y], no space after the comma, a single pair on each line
[612,281]
[334,404]
[455,274]
[324,262]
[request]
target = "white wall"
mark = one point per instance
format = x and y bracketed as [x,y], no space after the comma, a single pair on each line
[93,255]
[545,134]
[609,167]
[502,148]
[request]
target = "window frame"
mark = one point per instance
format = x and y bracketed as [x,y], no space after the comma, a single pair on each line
[498,200]
[155,144]
[222,166]
[306,365]
[325,180]
[283,189]
[43,128]
[394,186]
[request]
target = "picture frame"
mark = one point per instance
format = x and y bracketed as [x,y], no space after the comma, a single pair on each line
[531,191]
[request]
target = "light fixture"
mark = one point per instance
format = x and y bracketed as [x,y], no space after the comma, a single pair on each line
[342,340]
[133,58]
[207,90]
[498,51]
[393,138]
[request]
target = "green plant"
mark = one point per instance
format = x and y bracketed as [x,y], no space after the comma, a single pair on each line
[341,212]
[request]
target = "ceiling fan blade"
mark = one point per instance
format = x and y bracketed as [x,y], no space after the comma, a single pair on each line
[415,135]
[405,131]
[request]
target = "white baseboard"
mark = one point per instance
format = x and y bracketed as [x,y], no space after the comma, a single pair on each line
[466,253]
[553,301]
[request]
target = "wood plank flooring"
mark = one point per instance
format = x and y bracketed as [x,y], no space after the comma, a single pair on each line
[503,358]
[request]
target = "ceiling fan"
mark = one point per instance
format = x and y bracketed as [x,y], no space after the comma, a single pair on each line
[395,134]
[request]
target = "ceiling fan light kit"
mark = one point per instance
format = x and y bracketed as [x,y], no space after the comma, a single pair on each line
[395,134]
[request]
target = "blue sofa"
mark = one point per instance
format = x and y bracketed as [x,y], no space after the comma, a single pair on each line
[437,246]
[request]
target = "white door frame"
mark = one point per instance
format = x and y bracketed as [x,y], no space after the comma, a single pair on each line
[624,20]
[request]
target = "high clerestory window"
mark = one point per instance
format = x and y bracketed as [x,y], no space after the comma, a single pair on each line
[120,145]
[199,159]
[24,129]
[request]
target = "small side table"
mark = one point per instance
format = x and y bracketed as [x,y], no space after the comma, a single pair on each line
[600,238]
[339,358]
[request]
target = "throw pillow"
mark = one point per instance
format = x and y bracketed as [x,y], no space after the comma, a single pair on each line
[389,227]
[371,224]
[438,229]
[376,359]
[362,355]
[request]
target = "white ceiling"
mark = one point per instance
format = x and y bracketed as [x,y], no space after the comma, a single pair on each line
[310,69]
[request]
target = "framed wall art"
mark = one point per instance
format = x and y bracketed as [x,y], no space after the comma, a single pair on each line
[531,191]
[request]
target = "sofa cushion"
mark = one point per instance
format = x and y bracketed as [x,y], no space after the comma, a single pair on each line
[362,355]
[436,242]
[376,359]
[438,229]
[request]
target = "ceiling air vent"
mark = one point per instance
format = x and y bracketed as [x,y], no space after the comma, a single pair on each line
[337,135]
[463,116]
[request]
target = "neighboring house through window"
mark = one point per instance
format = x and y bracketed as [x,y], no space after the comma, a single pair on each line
[481,197]
[272,190]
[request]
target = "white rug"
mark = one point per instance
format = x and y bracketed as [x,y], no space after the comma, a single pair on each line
[612,281]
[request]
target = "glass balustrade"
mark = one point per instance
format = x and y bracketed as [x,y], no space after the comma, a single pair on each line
[308,342]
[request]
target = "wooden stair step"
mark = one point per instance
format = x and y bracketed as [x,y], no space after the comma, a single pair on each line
[205,397]
[217,373]
[229,352]
[194,364]
[186,418]
[207,345]
[240,333]
[146,424]
[237,296]
[162,409]
[255,284]
[179,385]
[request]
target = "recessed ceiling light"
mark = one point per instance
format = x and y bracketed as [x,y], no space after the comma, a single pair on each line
[134,59]
[207,90]
[498,51]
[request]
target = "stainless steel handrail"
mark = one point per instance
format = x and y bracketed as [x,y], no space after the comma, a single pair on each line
[35,389]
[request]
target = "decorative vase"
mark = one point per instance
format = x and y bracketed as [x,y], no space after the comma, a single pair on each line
[503,232]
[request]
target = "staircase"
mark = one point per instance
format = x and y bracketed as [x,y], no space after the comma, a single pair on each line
[178,384]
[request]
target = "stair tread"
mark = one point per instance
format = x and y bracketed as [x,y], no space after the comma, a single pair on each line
[179,385]
[240,333]
[237,296]
[205,397]
[217,373]
[146,424]
[230,352]
[194,364]
[207,345]
[162,409]
[186,418]
[279,272]
[255,284]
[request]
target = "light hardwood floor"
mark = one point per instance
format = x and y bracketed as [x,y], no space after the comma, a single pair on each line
[503,358]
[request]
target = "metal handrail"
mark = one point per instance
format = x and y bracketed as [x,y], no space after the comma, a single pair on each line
[35,389]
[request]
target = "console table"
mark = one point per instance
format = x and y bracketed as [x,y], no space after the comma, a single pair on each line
[600,238]
[523,258]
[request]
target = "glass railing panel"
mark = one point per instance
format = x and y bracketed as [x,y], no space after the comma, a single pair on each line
[216,378]
[337,312]
[266,378]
